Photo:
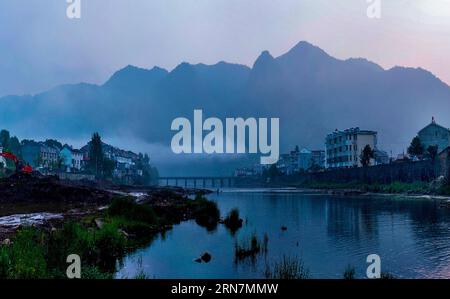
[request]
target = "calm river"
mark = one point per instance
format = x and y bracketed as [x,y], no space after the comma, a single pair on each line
[328,233]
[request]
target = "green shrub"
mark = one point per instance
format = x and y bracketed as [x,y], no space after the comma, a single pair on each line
[129,209]
[109,246]
[98,248]
[206,212]
[444,189]
[5,262]
[26,256]
[72,238]
[92,272]
[132,227]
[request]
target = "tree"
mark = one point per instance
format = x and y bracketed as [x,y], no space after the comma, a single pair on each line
[4,138]
[146,160]
[108,167]
[14,146]
[96,159]
[416,147]
[314,166]
[271,172]
[149,174]
[54,143]
[432,151]
[60,163]
[367,154]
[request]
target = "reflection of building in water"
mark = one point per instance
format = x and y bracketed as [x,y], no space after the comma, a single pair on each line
[349,218]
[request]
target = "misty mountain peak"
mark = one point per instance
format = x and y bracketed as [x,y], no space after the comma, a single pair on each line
[182,68]
[263,58]
[364,63]
[134,74]
[304,48]
[418,75]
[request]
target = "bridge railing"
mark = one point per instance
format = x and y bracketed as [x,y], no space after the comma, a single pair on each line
[197,182]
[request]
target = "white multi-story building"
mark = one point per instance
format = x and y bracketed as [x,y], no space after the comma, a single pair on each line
[344,148]
[71,158]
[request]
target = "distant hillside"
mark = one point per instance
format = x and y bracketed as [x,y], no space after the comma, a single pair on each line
[311,92]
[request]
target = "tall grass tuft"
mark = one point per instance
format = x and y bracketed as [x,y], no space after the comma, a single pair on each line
[247,248]
[287,268]
[349,272]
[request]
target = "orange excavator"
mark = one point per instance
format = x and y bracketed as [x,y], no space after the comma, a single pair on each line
[19,165]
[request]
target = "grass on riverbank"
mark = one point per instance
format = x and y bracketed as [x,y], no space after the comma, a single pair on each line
[36,253]
[134,219]
[395,187]
[39,254]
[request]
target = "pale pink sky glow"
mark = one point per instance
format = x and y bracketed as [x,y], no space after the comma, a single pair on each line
[40,47]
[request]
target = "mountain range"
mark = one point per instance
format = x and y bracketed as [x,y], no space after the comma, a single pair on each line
[310,91]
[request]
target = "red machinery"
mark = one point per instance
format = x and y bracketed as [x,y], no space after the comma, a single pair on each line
[19,165]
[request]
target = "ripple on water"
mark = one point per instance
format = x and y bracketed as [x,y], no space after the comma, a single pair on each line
[412,237]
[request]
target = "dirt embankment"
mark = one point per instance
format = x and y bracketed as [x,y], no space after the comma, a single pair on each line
[35,188]
[47,201]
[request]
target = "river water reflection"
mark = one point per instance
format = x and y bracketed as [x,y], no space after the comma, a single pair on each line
[411,235]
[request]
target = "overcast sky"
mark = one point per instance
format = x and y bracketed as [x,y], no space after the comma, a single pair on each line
[40,47]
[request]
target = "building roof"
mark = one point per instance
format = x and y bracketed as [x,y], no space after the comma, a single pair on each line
[434,124]
[356,130]
[305,151]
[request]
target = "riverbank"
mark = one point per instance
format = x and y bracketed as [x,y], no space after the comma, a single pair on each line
[35,243]
[438,189]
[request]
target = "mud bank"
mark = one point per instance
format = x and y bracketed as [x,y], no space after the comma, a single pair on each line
[47,202]
[35,188]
